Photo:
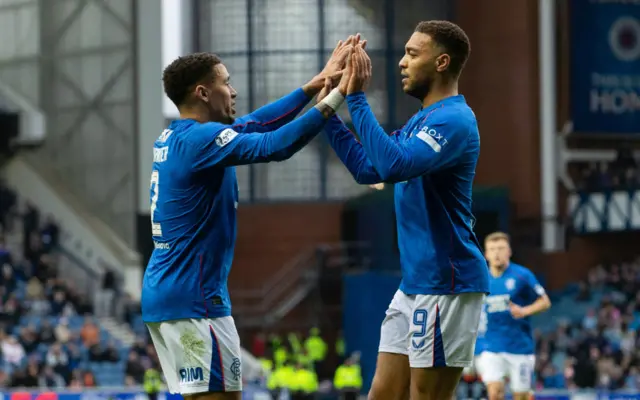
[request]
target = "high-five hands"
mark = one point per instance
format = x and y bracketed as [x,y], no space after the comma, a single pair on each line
[357,73]
[333,69]
[344,51]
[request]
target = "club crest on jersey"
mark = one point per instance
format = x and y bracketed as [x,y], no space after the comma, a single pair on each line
[510,284]
[225,137]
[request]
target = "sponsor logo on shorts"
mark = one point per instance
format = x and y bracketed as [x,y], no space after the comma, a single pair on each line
[191,375]
[236,368]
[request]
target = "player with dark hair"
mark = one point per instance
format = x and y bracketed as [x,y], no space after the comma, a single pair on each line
[194,197]
[430,329]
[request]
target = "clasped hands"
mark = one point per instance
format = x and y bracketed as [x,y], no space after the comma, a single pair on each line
[348,68]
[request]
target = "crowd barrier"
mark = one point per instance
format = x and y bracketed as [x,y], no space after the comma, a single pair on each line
[257,393]
[250,393]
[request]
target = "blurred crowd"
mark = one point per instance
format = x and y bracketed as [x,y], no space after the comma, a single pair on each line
[49,336]
[603,349]
[620,174]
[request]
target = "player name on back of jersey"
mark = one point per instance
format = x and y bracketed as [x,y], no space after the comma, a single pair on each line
[160,154]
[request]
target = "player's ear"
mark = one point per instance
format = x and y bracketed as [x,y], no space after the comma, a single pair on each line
[202,93]
[442,62]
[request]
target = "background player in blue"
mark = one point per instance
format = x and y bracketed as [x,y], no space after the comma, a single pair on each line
[429,333]
[194,196]
[509,347]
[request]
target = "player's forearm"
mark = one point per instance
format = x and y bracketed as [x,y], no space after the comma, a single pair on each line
[284,142]
[277,113]
[541,304]
[387,157]
[350,152]
[314,86]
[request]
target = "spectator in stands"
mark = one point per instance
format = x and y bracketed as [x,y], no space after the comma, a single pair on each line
[50,379]
[47,333]
[89,333]
[12,351]
[57,359]
[590,321]
[62,331]
[632,381]
[50,234]
[28,339]
[110,353]
[105,297]
[584,295]
[89,380]
[259,345]
[74,355]
[11,310]
[5,256]
[8,279]
[140,346]
[130,309]
[28,377]
[40,306]
[35,290]
[135,369]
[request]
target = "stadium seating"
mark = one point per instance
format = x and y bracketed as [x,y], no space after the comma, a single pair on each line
[18,268]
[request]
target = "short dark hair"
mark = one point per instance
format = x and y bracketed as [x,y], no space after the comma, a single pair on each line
[184,72]
[452,39]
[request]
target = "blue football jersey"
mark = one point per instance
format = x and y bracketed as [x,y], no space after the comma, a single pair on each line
[432,162]
[194,197]
[506,334]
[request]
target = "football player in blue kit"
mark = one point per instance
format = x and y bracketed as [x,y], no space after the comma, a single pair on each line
[430,329]
[194,198]
[508,344]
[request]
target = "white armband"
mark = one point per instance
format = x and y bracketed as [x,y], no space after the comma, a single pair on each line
[333,100]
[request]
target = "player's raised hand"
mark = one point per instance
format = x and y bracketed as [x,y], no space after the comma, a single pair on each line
[338,58]
[328,85]
[347,74]
[361,67]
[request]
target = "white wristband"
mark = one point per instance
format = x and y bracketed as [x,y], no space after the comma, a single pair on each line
[334,99]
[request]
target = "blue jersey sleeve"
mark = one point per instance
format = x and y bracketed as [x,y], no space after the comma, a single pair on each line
[437,145]
[351,152]
[273,115]
[535,288]
[221,146]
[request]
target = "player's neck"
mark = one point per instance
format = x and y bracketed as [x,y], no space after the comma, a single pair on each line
[195,113]
[497,272]
[439,92]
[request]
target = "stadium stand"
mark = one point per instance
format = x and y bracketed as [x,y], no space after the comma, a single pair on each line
[50,337]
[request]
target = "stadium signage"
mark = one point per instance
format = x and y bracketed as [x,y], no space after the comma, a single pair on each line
[605,66]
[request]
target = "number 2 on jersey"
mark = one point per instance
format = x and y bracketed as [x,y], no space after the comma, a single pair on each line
[156,230]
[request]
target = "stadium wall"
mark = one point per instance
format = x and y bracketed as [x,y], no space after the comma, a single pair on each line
[269,235]
[504,95]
